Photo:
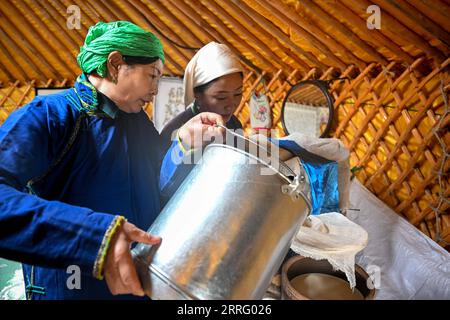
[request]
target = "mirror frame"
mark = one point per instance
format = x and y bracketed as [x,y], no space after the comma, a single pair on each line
[323,86]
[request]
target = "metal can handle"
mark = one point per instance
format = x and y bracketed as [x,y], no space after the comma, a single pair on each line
[296,183]
[285,168]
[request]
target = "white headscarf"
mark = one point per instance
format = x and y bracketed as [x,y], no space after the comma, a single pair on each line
[212,61]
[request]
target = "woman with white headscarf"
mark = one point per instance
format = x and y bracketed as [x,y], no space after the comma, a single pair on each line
[212,83]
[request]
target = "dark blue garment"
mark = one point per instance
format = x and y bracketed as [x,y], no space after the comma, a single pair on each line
[111,169]
[322,174]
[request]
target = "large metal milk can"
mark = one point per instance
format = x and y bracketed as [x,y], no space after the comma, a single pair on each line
[227,228]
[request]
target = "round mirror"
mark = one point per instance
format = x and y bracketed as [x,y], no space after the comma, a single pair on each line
[308,109]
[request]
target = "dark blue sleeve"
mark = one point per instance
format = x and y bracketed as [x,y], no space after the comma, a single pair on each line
[33,230]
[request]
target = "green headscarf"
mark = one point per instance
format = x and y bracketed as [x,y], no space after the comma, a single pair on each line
[122,36]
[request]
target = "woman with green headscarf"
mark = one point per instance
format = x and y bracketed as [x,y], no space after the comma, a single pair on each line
[79,170]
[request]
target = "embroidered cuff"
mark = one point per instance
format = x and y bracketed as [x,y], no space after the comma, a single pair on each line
[100,260]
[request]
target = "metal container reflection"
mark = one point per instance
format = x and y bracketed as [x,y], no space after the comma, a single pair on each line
[227,228]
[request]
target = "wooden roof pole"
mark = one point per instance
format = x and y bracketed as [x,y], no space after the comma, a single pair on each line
[106,10]
[18,54]
[9,76]
[222,28]
[85,10]
[179,53]
[255,42]
[200,28]
[61,10]
[58,23]
[281,36]
[434,10]
[205,30]
[86,22]
[18,72]
[162,8]
[391,25]
[414,19]
[342,29]
[377,36]
[285,17]
[35,56]
[23,41]
[185,39]
[167,45]
[110,16]
[46,39]
[136,15]
[161,25]
[39,13]
[306,23]
[51,13]
[172,67]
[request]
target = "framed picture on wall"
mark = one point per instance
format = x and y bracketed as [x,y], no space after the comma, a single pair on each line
[169,101]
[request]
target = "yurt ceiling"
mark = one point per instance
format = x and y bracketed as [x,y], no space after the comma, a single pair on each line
[36,43]
[391,103]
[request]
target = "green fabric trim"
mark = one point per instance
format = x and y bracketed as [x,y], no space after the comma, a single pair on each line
[99,263]
[195,108]
[91,101]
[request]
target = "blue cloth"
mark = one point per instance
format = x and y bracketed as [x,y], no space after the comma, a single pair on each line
[322,174]
[112,169]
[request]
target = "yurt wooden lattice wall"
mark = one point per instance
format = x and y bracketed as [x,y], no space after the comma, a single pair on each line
[391,106]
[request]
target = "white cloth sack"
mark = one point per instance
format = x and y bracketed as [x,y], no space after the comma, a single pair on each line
[333,237]
[329,236]
[403,262]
